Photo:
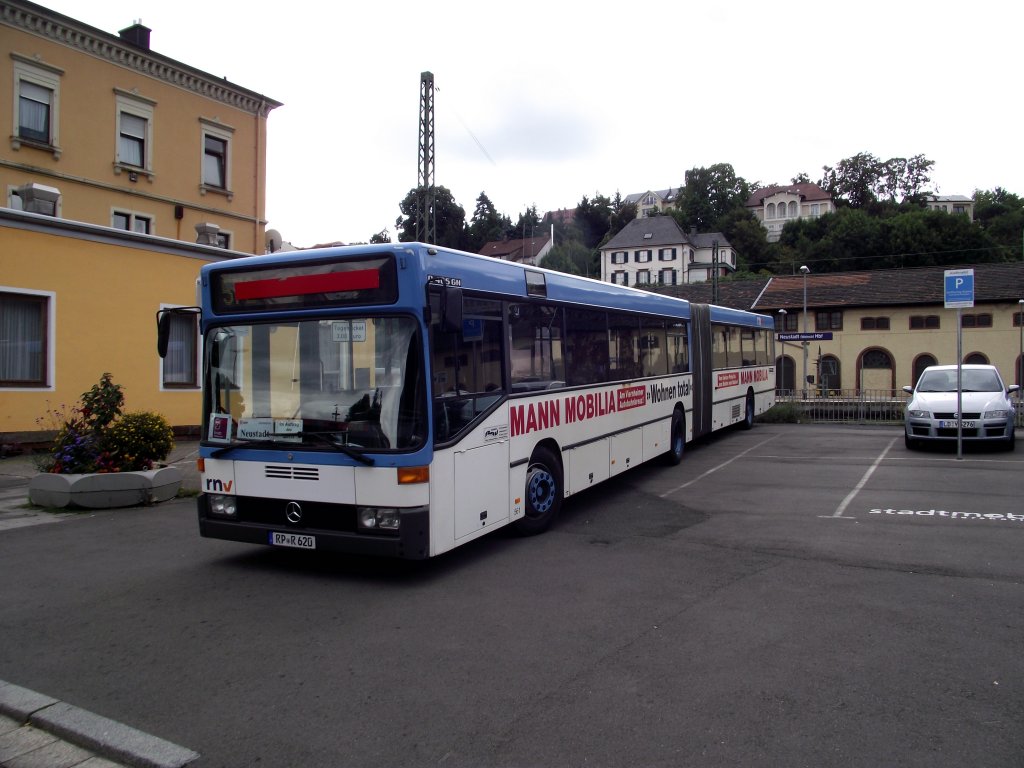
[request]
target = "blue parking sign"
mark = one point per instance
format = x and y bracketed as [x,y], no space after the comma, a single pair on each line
[959,288]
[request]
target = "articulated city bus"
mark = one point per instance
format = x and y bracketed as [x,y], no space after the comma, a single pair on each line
[405,399]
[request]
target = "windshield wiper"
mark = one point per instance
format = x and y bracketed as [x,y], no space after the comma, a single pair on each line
[348,450]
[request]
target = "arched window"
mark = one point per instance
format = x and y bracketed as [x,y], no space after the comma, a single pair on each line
[920,363]
[976,358]
[792,209]
[829,371]
[771,210]
[875,370]
[785,374]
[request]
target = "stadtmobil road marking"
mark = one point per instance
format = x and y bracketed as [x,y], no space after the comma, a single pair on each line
[942,513]
[857,489]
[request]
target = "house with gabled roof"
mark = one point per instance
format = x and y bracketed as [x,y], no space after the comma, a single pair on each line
[879,329]
[653,201]
[656,251]
[529,250]
[776,205]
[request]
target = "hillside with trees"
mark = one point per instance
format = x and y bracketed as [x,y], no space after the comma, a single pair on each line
[881,222]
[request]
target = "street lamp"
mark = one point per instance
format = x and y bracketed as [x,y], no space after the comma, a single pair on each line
[1020,360]
[782,366]
[805,270]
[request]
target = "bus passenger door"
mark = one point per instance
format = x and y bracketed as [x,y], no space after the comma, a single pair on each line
[481,487]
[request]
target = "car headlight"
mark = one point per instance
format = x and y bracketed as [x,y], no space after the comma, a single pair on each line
[222,506]
[918,414]
[996,414]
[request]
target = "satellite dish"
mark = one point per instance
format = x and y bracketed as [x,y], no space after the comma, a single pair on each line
[273,241]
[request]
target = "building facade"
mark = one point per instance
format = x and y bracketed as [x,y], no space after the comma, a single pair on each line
[124,171]
[530,250]
[655,251]
[776,206]
[106,131]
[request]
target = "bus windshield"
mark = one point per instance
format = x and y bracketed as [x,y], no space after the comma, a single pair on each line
[349,384]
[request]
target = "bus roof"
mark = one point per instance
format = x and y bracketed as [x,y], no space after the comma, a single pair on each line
[486,274]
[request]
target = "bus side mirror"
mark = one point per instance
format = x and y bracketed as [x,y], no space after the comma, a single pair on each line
[163,331]
[451,309]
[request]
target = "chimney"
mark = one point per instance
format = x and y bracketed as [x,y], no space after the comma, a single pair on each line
[136,35]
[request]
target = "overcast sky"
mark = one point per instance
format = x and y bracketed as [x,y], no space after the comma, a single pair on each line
[540,103]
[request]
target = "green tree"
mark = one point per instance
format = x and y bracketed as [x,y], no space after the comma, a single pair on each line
[1001,215]
[528,224]
[593,217]
[863,179]
[708,194]
[449,218]
[381,237]
[573,258]
[487,225]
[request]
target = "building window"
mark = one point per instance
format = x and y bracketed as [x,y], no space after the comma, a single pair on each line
[224,240]
[924,322]
[791,322]
[215,162]
[920,363]
[976,358]
[37,104]
[180,365]
[24,339]
[643,277]
[983,320]
[793,212]
[643,256]
[828,321]
[667,254]
[134,133]
[668,277]
[618,257]
[771,211]
[619,277]
[216,170]
[132,222]
[874,323]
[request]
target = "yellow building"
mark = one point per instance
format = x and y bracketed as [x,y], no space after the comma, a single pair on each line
[114,151]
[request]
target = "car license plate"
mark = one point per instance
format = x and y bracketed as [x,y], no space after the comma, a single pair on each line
[297,540]
[952,424]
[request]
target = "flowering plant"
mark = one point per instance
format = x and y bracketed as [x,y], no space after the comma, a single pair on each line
[95,436]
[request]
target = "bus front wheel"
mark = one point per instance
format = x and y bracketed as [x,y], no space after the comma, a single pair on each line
[543,493]
[748,416]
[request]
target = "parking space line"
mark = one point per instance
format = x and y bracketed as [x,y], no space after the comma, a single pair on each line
[857,488]
[715,469]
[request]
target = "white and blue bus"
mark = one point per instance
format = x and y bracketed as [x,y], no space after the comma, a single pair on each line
[404,399]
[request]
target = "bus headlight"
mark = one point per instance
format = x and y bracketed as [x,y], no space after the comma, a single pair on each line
[378,518]
[222,506]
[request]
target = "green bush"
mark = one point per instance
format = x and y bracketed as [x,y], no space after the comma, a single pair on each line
[781,413]
[138,440]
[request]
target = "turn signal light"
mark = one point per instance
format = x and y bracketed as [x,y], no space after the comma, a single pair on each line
[411,475]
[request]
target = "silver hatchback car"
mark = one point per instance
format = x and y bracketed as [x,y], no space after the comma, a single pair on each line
[988,411]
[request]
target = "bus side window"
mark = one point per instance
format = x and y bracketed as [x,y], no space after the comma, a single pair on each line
[535,347]
[587,346]
[678,348]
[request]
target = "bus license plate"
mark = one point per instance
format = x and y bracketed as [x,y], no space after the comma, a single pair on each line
[297,540]
[952,424]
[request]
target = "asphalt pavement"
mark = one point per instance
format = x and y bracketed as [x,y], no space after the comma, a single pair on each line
[38,730]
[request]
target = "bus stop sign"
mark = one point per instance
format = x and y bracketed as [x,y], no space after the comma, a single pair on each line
[959,288]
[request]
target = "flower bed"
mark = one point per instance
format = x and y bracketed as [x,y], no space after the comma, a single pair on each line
[104,458]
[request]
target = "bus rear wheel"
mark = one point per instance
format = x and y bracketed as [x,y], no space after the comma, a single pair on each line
[677,439]
[748,416]
[543,493]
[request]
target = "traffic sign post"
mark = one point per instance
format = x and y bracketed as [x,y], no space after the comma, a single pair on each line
[959,293]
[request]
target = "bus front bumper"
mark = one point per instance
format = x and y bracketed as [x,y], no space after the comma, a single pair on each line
[410,542]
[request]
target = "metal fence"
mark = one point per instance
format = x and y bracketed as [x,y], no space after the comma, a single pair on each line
[862,406]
